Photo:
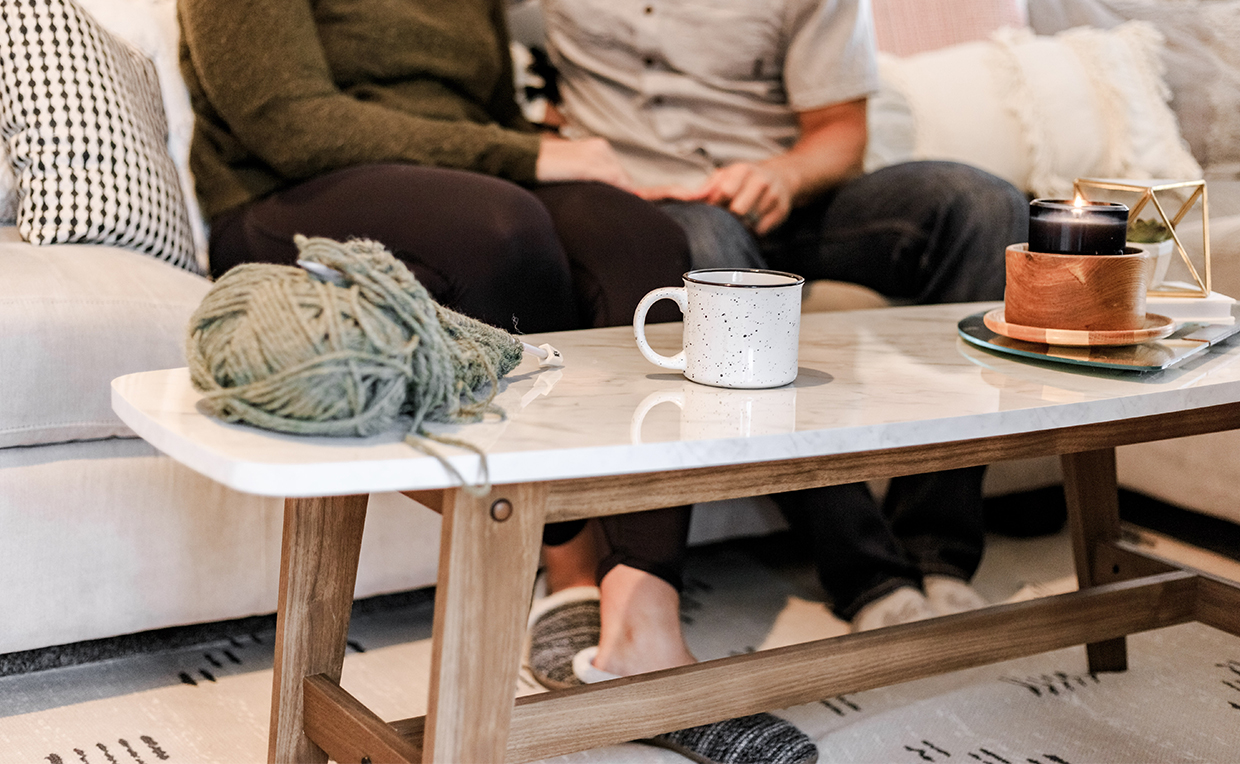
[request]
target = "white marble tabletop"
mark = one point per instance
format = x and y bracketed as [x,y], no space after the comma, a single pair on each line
[868,380]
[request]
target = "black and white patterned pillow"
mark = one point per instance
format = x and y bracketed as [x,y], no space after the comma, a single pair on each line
[82,117]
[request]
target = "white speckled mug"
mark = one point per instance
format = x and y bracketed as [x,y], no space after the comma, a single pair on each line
[742,326]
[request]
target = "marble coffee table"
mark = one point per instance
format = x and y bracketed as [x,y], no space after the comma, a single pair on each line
[880,393]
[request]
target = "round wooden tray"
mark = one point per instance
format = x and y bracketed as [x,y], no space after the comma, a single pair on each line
[1156,327]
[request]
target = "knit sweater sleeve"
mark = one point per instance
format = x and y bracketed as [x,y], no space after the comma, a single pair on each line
[263,71]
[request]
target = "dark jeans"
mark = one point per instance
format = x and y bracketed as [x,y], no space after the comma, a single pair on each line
[927,524]
[922,233]
[918,232]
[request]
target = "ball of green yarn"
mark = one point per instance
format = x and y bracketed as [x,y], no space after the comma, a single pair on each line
[276,347]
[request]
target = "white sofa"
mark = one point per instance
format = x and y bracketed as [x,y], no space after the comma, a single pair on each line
[101,536]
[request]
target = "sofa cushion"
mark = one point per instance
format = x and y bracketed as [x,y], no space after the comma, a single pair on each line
[1036,111]
[87,135]
[1202,59]
[74,318]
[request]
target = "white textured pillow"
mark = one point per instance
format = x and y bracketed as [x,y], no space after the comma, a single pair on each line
[1036,111]
[85,129]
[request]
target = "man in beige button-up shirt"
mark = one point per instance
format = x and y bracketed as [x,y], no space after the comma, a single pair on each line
[683,88]
[746,119]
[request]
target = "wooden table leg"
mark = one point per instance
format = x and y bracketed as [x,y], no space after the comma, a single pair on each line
[1093,515]
[318,569]
[487,560]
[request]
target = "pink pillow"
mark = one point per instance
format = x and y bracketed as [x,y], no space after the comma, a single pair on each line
[906,27]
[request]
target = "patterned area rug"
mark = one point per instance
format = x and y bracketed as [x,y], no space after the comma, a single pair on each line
[1180,700]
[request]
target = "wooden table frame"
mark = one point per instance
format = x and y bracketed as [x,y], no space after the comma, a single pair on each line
[489,552]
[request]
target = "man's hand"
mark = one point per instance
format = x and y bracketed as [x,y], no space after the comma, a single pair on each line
[587,159]
[762,194]
[756,194]
[759,194]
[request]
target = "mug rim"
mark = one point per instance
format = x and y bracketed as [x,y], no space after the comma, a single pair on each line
[795,279]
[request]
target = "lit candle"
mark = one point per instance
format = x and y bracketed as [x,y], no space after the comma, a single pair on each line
[1079,227]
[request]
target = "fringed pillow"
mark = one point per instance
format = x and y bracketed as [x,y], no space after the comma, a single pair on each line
[1036,111]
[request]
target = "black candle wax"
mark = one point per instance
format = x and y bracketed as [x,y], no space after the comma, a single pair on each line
[1064,227]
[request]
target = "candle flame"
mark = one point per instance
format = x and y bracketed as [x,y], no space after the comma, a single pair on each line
[1079,201]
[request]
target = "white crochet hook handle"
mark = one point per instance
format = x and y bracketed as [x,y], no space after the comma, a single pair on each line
[546,355]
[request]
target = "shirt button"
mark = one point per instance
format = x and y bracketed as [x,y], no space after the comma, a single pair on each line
[657,101]
[649,9]
[648,61]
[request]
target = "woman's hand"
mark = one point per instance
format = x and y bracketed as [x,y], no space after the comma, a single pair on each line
[586,159]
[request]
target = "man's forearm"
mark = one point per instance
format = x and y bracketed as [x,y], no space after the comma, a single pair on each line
[830,150]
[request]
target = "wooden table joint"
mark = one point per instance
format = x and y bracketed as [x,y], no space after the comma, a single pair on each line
[1121,560]
[350,732]
[1218,603]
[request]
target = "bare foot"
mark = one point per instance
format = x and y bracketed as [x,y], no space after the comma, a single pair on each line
[640,616]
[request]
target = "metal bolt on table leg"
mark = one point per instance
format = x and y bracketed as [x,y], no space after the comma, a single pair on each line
[501,510]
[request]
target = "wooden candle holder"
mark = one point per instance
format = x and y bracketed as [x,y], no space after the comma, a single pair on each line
[1079,292]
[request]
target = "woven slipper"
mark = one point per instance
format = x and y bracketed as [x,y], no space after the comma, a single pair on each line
[757,739]
[560,626]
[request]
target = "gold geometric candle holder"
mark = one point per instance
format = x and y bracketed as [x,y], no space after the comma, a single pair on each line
[1171,201]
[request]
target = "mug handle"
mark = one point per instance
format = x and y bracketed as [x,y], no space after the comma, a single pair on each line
[675,294]
[649,402]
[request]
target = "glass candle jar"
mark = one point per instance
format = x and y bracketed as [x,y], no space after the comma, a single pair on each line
[1080,227]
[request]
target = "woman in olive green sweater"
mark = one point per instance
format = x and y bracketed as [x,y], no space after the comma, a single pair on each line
[395,120]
